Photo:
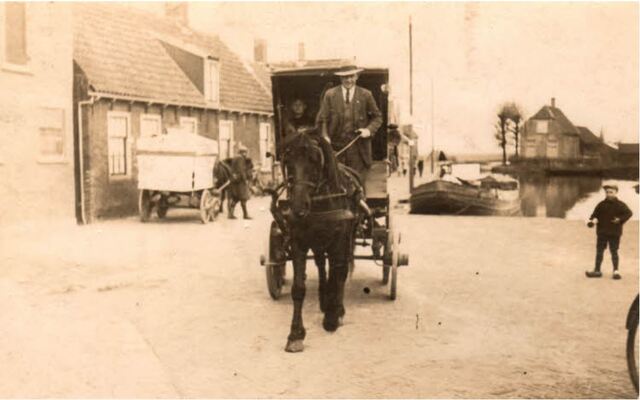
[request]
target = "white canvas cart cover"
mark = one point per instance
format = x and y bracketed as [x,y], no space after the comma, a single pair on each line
[177,162]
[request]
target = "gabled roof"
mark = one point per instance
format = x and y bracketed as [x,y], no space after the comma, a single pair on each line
[588,137]
[628,148]
[554,113]
[120,50]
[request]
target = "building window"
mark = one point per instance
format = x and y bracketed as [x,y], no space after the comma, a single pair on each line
[212,80]
[15,34]
[542,126]
[265,146]
[225,139]
[189,125]
[51,135]
[150,125]
[118,150]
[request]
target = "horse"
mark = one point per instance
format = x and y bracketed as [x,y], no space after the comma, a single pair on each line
[222,174]
[324,210]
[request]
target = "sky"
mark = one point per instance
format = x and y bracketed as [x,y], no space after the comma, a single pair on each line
[475,56]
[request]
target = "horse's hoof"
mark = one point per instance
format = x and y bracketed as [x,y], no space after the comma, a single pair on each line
[330,324]
[294,346]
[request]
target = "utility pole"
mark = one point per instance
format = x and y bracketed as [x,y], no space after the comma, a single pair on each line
[433,134]
[412,158]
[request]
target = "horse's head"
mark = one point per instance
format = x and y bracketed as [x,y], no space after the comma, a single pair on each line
[304,160]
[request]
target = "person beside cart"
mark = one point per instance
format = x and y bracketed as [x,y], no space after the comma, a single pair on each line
[608,216]
[241,173]
[346,112]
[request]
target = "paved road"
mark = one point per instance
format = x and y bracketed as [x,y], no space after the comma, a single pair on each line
[490,307]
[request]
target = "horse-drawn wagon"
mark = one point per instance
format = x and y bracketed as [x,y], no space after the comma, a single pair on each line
[323,206]
[176,171]
[375,228]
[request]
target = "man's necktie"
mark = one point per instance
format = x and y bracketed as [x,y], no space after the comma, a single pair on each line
[347,96]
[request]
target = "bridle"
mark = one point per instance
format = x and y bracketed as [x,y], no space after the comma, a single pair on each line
[314,186]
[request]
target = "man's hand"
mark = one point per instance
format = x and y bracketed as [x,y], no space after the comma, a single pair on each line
[592,222]
[364,132]
[616,220]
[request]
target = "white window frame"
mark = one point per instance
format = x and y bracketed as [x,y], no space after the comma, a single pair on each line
[57,158]
[189,120]
[265,145]
[150,117]
[211,96]
[128,153]
[540,124]
[221,124]
[4,64]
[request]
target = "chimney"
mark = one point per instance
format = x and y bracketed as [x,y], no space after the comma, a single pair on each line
[301,51]
[260,51]
[178,12]
[553,102]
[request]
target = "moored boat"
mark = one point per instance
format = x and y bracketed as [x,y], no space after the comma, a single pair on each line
[491,195]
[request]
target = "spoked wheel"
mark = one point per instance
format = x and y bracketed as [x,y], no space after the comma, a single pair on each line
[208,206]
[144,205]
[395,251]
[386,269]
[275,265]
[632,343]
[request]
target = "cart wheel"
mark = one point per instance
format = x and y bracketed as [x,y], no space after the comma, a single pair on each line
[276,262]
[386,269]
[395,242]
[632,347]
[144,205]
[207,203]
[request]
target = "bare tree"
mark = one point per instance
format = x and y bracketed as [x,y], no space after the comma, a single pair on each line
[508,112]
[517,119]
[503,121]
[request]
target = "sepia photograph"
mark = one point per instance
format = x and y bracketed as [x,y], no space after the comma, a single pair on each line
[310,199]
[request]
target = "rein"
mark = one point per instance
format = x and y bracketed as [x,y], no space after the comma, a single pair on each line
[347,146]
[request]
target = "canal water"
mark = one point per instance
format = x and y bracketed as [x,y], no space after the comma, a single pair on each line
[570,197]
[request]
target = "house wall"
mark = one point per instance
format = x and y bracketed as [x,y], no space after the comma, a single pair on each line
[34,186]
[541,145]
[107,196]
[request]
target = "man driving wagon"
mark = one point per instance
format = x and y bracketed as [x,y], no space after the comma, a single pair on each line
[348,118]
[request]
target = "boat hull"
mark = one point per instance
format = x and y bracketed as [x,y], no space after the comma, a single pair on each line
[446,198]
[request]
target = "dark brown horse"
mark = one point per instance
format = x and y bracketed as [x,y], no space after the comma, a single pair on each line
[324,203]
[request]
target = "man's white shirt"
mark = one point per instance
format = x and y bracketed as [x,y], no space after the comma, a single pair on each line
[351,92]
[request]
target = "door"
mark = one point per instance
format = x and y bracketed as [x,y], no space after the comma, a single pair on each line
[225,139]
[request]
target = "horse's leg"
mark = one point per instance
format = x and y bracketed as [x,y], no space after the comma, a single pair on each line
[338,270]
[321,263]
[295,342]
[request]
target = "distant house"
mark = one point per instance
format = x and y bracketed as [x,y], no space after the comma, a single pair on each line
[549,134]
[593,148]
[628,154]
[137,74]
[36,120]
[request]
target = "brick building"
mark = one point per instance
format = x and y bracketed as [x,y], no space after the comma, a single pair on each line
[36,122]
[137,74]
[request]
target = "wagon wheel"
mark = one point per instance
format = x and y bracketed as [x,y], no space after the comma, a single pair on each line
[632,348]
[208,206]
[276,262]
[144,205]
[395,251]
[387,247]
[162,207]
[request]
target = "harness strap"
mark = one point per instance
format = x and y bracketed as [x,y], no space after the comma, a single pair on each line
[347,146]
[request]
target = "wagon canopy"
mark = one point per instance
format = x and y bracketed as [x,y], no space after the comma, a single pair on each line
[309,82]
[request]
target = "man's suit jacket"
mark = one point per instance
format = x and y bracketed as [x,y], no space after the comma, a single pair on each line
[366,115]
